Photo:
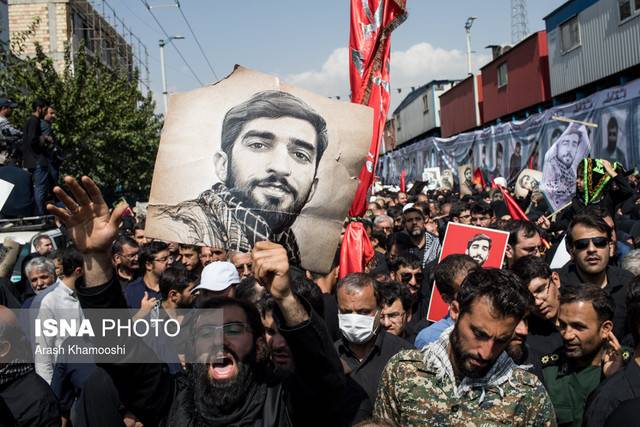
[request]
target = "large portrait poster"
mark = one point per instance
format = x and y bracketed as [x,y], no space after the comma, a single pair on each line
[614,134]
[251,158]
[485,245]
[560,164]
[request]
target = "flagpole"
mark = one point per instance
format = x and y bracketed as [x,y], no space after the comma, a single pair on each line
[580,122]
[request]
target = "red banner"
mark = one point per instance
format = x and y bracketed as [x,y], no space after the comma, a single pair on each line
[372,22]
[515,211]
[403,184]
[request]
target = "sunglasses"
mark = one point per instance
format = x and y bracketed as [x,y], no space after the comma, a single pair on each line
[598,242]
[406,277]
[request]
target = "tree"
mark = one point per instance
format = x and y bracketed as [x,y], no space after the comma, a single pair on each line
[107,128]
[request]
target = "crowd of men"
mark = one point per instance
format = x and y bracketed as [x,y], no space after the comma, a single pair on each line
[30,159]
[527,344]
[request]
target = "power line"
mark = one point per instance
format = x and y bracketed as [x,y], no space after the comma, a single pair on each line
[124,3]
[197,41]
[170,40]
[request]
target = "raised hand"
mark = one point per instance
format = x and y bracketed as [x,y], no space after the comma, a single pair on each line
[612,359]
[271,268]
[86,215]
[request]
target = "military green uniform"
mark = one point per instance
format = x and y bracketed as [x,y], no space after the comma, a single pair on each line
[413,393]
[569,387]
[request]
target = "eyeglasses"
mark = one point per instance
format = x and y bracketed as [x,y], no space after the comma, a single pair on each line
[162,259]
[131,256]
[406,277]
[598,242]
[391,316]
[231,329]
[541,292]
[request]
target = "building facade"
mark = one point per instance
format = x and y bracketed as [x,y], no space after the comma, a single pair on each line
[4,24]
[76,23]
[418,115]
[516,79]
[457,110]
[591,40]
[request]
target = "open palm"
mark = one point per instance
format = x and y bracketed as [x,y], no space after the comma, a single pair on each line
[86,215]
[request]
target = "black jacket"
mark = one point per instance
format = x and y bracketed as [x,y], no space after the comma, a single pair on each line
[624,385]
[28,401]
[312,396]
[33,151]
[617,283]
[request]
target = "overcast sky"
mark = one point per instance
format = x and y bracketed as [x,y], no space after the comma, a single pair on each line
[304,41]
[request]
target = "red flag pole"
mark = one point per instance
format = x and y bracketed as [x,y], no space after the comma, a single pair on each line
[372,22]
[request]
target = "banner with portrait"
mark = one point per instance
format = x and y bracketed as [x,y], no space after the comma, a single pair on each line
[506,149]
[528,181]
[485,245]
[251,158]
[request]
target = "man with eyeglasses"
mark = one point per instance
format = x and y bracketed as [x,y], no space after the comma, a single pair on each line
[590,246]
[383,224]
[524,239]
[365,347]
[460,212]
[154,259]
[395,312]
[126,260]
[544,286]
[482,214]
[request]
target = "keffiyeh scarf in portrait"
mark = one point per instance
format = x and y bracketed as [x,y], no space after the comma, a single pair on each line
[226,218]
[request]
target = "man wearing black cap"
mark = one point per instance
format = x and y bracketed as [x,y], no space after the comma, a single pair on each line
[9,135]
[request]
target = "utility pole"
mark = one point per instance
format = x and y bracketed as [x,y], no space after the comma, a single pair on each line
[467,28]
[162,43]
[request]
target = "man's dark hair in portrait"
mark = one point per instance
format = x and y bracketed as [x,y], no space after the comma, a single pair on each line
[271,146]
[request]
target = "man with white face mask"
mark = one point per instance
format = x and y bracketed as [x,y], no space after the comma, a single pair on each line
[365,346]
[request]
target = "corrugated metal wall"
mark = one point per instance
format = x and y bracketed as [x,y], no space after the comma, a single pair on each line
[607,47]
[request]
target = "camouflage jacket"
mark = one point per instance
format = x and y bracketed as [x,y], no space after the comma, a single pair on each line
[415,390]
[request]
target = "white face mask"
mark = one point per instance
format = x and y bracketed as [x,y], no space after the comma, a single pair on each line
[357,328]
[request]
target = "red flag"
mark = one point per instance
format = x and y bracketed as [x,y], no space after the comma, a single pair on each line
[515,211]
[372,22]
[403,176]
[478,177]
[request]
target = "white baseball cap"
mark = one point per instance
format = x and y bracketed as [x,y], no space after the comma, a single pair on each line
[218,276]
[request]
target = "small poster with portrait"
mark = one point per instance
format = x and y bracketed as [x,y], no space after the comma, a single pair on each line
[446,180]
[485,245]
[528,181]
[465,177]
[432,177]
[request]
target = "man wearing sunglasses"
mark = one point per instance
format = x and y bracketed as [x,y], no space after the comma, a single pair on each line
[590,246]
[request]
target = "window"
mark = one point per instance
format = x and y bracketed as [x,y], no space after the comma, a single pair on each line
[569,35]
[502,75]
[628,8]
[425,104]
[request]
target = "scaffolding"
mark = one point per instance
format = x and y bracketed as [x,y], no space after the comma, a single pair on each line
[106,37]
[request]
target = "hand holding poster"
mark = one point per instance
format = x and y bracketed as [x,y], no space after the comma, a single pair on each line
[486,246]
[528,181]
[251,159]
[560,163]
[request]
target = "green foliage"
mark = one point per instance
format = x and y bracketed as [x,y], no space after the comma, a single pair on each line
[107,128]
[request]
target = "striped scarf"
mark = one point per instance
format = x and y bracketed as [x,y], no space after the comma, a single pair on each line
[14,370]
[436,356]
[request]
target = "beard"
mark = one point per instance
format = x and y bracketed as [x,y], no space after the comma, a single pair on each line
[223,397]
[517,352]
[460,358]
[271,210]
